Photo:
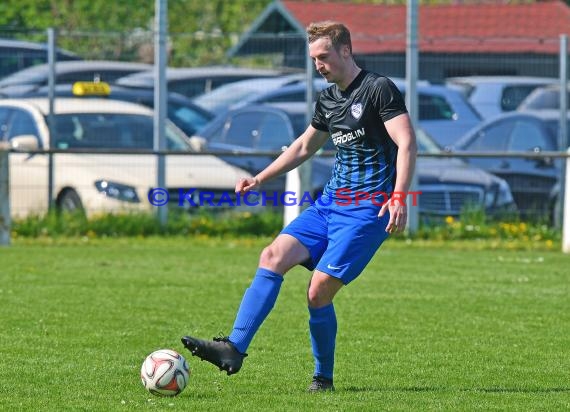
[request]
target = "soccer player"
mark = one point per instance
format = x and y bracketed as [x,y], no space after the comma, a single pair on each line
[365,115]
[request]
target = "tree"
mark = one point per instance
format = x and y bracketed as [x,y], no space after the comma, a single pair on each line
[200,31]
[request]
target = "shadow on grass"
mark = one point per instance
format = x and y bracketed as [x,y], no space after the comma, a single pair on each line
[444,389]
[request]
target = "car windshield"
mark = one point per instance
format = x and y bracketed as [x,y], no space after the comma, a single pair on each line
[31,75]
[225,95]
[542,99]
[190,121]
[112,131]
[242,91]
[554,127]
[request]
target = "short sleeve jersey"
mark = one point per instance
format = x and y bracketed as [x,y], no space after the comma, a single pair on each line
[366,156]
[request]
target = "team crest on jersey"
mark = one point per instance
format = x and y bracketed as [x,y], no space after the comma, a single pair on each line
[356,110]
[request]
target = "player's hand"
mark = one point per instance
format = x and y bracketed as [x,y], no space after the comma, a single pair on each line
[398,215]
[245,184]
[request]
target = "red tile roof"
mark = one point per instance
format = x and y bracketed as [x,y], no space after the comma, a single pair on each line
[464,28]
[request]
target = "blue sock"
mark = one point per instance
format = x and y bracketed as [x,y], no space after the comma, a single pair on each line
[322,325]
[257,302]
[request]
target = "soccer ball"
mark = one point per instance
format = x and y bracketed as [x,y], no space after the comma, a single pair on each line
[165,373]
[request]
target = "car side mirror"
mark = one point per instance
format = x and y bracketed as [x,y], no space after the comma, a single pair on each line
[24,142]
[198,143]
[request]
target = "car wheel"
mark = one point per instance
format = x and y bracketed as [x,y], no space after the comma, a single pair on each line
[69,201]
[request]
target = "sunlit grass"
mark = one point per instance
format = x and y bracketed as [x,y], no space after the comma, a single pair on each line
[428,326]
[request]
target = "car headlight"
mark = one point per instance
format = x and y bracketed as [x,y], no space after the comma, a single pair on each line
[117,191]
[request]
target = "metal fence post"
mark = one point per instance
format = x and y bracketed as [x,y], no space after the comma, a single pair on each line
[5,221]
[160,99]
[563,128]
[566,205]
[412,74]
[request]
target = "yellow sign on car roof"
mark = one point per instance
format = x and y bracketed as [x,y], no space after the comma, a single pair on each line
[91,89]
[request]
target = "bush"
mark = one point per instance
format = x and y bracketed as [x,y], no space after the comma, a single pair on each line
[470,226]
[145,224]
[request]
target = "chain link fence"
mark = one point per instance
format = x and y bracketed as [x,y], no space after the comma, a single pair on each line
[284,54]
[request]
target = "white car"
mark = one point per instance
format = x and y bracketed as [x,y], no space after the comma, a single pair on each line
[494,95]
[104,182]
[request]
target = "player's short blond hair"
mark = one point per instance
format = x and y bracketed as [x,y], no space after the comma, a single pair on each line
[337,32]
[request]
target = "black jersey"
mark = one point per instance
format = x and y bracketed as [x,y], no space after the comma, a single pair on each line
[366,157]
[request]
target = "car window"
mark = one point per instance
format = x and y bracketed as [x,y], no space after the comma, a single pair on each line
[262,131]
[189,88]
[493,138]
[14,59]
[242,129]
[22,123]
[543,99]
[5,112]
[223,96]
[527,135]
[273,134]
[110,131]
[299,96]
[434,108]
[187,119]
[553,127]
[514,95]
[299,123]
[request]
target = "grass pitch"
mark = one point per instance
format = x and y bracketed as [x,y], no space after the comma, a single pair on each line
[424,328]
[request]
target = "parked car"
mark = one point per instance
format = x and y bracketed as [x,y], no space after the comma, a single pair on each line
[444,113]
[533,181]
[243,131]
[108,181]
[226,95]
[16,55]
[192,81]
[67,72]
[448,186]
[544,98]
[493,95]
[188,116]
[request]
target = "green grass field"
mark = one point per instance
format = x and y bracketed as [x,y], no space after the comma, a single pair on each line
[426,327]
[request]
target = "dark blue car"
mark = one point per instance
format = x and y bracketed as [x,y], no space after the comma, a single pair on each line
[533,181]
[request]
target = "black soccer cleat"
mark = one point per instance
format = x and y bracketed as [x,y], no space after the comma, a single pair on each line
[321,384]
[220,352]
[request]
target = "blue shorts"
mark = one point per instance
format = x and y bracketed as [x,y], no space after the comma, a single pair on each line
[341,239]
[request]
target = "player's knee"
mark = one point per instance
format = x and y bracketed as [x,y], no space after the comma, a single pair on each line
[317,297]
[269,259]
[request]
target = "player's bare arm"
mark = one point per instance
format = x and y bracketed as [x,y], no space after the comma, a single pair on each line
[300,150]
[401,131]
